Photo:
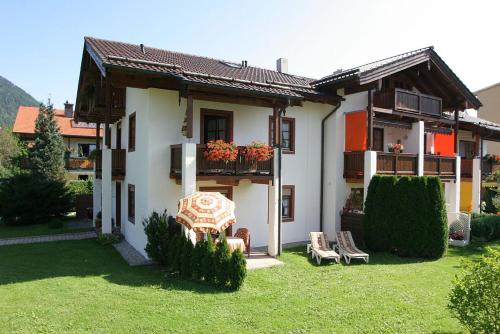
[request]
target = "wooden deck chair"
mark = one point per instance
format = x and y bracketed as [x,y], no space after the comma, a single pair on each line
[348,249]
[320,249]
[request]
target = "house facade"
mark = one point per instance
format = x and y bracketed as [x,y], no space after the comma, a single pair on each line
[330,136]
[490,97]
[79,138]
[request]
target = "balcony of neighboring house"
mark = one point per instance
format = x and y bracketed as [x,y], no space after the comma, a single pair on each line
[78,163]
[118,164]
[410,102]
[232,171]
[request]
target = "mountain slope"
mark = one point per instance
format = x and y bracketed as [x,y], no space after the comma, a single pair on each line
[11,97]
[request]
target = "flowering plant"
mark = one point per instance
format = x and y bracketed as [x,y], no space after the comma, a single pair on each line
[219,150]
[257,152]
[395,147]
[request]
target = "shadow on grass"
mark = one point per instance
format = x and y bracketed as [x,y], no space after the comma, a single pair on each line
[86,258]
[471,252]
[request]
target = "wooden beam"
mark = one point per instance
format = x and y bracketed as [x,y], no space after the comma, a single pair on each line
[234,99]
[189,117]
[369,129]
[276,127]
[97,135]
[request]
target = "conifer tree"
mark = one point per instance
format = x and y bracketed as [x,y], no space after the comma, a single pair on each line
[46,156]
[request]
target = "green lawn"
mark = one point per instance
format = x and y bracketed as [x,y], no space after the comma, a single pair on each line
[35,230]
[81,286]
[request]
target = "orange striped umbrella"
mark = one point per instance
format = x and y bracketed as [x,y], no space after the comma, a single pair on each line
[208,212]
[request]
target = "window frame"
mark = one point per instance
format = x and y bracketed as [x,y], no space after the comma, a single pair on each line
[291,121]
[132,138]
[219,113]
[380,130]
[291,207]
[131,206]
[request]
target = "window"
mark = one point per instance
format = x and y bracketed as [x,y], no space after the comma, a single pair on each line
[85,149]
[378,139]
[287,134]
[288,203]
[215,125]
[131,132]
[131,203]
[467,149]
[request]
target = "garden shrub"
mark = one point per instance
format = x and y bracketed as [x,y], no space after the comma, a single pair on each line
[196,260]
[237,270]
[474,299]
[28,199]
[186,255]
[79,187]
[485,227]
[222,262]
[406,215]
[157,232]
[488,197]
[208,261]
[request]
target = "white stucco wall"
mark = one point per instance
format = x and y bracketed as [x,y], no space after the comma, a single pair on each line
[159,119]
[335,187]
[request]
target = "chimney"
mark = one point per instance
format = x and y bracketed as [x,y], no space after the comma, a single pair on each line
[244,63]
[282,65]
[68,109]
[143,48]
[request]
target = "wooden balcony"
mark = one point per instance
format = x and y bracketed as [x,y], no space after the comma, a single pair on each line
[231,172]
[387,163]
[399,164]
[118,164]
[466,168]
[441,166]
[409,102]
[78,164]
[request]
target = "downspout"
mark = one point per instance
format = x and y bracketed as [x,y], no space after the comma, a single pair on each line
[323,122]
[481,175]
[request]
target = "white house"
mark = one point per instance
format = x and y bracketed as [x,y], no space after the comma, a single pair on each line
[159,108]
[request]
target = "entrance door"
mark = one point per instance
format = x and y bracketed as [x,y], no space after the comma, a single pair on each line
[118,204]
[226,191]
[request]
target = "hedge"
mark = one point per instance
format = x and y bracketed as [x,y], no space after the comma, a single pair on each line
[406,216]
[206,262]
[485,227]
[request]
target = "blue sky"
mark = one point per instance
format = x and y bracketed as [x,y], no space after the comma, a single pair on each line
[41,41]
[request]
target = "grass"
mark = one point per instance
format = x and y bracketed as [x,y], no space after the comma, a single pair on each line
[36,230]
[81,286]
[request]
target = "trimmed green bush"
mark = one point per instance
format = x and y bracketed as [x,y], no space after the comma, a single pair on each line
[27,199]
[196,260]
[406,216]
[485,227]
[186,255]
[157,233]
[56,223]
[475,297]
[237,270]
[208,261]
[222,259]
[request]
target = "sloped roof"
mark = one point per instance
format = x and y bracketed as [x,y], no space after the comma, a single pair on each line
[196,69]
[375,70]
[26,117]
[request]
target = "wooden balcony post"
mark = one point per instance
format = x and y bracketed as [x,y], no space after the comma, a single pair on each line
[189,117]
[369,129]
[457,111]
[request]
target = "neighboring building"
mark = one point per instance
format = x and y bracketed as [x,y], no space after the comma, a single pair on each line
[159,108]
[490,97]
[79,138]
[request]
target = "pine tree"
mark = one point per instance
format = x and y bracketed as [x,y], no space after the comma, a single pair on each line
[46,156]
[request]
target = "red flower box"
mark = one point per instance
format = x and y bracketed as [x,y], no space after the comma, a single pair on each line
[219,150]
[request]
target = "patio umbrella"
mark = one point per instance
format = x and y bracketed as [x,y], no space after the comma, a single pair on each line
[207,212]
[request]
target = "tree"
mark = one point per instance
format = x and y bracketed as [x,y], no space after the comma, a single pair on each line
[11,150]
[46,156]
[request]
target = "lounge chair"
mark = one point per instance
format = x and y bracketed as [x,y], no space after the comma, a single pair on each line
[348,249]
[320,249]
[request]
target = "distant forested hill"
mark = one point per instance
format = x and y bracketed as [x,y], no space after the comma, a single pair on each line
[11,97]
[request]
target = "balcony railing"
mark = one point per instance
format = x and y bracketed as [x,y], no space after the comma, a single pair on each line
[437,165]
[78,164]
[240,167]
[398,164]
[118,163]
[407,101]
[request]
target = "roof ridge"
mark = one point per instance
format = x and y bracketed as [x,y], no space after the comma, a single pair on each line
[353,69]
[197,56]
